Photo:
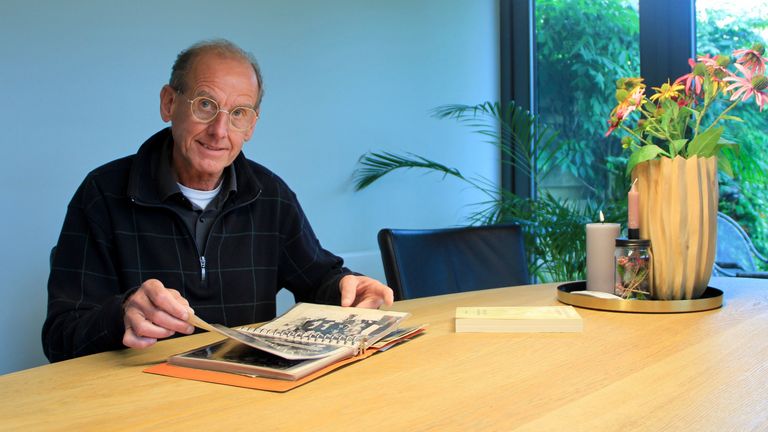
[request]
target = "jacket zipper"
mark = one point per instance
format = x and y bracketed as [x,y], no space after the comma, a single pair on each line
[222,213]
[202,269]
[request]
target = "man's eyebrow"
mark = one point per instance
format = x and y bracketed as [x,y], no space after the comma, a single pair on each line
[205,93]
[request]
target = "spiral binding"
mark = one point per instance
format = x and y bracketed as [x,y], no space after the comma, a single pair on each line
[311,336]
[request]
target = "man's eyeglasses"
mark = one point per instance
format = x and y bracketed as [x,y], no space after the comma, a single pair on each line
[205,109]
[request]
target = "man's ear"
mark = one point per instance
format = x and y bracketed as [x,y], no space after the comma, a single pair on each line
[167,97]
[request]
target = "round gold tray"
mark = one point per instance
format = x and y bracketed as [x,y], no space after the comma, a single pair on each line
[711,299]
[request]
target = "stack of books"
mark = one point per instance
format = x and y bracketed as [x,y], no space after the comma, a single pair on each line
[510,319]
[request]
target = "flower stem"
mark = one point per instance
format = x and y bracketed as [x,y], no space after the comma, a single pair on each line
[720,117]
[637,137]
[701,116]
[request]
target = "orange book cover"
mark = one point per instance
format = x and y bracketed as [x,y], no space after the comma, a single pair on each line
[252,382]
[271,384]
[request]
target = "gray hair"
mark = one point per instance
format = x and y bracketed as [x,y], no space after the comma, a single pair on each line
[218,46]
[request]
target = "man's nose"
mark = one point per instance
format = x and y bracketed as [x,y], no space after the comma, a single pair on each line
[219,126]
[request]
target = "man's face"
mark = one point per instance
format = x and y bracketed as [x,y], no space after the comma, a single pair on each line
[201,150]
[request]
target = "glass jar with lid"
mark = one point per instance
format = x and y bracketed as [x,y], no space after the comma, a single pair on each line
[633,276]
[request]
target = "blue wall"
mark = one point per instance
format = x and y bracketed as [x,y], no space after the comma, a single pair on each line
[81,81]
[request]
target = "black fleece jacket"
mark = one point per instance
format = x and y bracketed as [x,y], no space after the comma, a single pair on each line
[118,233]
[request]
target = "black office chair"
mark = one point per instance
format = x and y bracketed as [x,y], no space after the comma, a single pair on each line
[420,263]
[736,256]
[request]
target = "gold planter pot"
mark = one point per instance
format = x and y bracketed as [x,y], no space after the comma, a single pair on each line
[678,213]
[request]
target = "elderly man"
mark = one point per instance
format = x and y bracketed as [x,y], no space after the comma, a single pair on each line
[188,224]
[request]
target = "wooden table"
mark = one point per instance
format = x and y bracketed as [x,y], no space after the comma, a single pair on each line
[704,371]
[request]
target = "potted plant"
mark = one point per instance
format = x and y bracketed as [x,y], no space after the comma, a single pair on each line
[553,227]
[677,140]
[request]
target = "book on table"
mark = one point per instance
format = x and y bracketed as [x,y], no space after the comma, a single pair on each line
[520,319]
[305,339]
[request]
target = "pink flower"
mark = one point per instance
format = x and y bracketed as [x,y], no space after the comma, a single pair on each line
[709,61]
[717,68]
[748,85]
[695,78]
[613,123]
[631,103]
[752,58]
[636,97]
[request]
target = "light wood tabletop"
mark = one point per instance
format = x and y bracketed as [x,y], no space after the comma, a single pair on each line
[702,371]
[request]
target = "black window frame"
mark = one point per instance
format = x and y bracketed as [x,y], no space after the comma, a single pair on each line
[667,41]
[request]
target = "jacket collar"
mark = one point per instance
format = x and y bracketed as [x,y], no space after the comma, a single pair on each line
[144,178]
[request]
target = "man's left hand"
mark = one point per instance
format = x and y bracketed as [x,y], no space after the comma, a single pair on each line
[365,292]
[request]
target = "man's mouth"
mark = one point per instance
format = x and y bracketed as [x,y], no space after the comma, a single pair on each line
[211,147]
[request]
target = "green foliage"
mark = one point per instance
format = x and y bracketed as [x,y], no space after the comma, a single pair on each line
[553,227]
[583,47]
[375,165]
[528,146]
[678,120]
[744,196]
[705,144]
[644,153]
[554,230]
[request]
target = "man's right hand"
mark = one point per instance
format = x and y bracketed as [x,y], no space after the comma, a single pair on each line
[154,312]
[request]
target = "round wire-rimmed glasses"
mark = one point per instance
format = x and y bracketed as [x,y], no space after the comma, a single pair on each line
[205,109]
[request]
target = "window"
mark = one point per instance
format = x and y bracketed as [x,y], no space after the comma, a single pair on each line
[581,49]
[722,27]
[560,59]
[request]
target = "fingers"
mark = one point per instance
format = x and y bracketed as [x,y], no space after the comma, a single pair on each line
[169,301]
[362,291]
[154,312]
[131,340]
[348,286]
[389,296]
[370,303]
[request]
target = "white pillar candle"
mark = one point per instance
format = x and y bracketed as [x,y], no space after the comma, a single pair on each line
[601,241]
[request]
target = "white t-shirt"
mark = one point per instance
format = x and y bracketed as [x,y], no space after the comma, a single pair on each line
[199,197]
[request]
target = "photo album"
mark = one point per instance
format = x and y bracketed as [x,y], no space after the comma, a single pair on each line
[305,339]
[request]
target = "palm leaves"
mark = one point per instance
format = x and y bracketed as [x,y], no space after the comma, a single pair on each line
[376,165]
[553,227]
[525,145]
[555,236]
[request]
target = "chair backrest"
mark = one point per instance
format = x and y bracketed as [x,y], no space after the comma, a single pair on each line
[420,263]
[735,251]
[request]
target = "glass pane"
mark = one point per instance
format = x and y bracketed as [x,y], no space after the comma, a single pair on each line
[582,47]
[722,27]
